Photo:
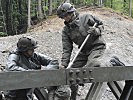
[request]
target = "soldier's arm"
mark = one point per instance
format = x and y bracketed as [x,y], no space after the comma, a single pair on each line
[99,27]
[12,63]
[46,61]
[67,49]
[91,20]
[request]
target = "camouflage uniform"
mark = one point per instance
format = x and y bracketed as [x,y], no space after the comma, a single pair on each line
[76,32]
[17,61]
[77,27]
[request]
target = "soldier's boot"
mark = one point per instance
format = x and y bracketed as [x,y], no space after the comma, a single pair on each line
[73,96]
[74,91]
[1,96]
[57,98]
[51,95]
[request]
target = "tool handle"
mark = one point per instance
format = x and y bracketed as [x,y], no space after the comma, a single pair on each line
[71,63]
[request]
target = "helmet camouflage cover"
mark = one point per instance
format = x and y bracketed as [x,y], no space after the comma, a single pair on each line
[26,43]
[65,9]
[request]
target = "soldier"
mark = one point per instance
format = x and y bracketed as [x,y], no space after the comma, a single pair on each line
[25,59]
[76,28]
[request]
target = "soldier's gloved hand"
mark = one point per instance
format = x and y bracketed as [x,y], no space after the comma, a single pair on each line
[62,67]
[92,30]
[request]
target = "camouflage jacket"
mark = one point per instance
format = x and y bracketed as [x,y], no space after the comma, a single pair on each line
[19,62]
[76,32]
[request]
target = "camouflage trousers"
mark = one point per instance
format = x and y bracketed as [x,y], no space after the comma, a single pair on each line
[87,59]
[91,59]
[61,93]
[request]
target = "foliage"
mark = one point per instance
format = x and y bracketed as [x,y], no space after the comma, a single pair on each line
[3,34]
[118,5]
[45,8]
[18,11]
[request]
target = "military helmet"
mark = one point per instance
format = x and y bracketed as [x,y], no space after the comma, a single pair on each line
[65,9]
[26,43]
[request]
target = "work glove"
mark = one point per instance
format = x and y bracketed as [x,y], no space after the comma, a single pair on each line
[61,67]
[92,31]
[53,65]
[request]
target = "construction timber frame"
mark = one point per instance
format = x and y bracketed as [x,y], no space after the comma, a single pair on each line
[98,76]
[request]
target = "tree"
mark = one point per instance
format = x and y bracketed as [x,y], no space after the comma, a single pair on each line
[8,14]
[111,4]
[100,3]
[124,4]
[29,16]
[40,10]
[130,8]
[50,7]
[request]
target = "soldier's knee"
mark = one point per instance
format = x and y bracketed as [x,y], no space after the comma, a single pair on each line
[63,93]
[93,63]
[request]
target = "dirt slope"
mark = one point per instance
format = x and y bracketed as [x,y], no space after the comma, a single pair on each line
[118,34]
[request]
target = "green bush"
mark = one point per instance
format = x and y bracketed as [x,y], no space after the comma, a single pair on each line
[3,34]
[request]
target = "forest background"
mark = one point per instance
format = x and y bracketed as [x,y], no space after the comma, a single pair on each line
[18,16]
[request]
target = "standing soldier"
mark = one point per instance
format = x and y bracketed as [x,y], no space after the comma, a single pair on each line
[76,28]
[25,59]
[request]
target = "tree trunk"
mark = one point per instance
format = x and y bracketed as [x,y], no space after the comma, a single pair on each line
[8,15]
[50,6]
[100,3]
[124,4]
[111,4]
[130,8]
[2,20]
[29,16]
[40,14]
[43,10]
[20,20]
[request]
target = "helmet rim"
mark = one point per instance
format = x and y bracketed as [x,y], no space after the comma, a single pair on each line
[65,9]
[26,43]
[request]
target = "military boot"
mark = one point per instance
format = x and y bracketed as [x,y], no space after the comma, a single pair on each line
[74,91]
[51,95]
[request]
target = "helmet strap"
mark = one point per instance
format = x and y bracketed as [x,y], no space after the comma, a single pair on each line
[73,16]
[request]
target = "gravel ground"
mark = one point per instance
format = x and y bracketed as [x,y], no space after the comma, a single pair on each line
[118,34]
